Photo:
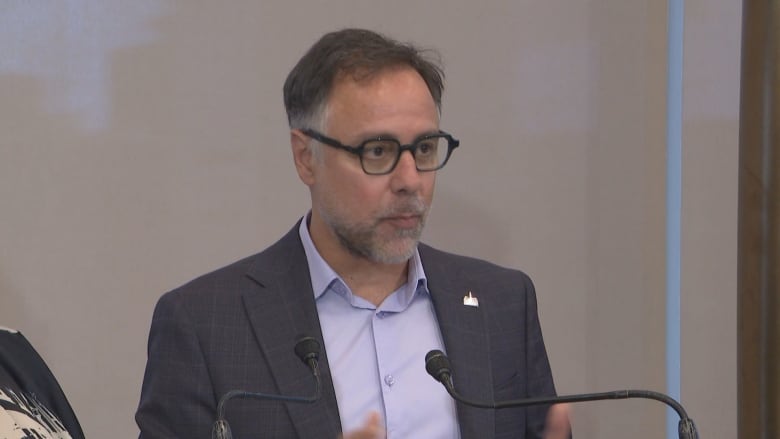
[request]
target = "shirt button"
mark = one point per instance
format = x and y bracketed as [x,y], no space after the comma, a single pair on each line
[381,314]
[389,380]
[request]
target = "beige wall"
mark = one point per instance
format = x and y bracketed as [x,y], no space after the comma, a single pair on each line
[144,143]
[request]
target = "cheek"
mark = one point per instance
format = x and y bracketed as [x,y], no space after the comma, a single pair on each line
[354,193]
[428,185]
[367,197]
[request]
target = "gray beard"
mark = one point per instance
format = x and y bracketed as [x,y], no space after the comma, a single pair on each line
[364,241]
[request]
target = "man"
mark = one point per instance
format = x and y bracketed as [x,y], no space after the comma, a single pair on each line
[364,118]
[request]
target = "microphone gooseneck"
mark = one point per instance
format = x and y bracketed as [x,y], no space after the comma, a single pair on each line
[438,366]
[308,350]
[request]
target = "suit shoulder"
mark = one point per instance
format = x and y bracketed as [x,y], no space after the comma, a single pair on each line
[232,279]
[223,285]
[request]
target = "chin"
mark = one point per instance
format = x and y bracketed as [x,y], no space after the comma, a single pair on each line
[397,254]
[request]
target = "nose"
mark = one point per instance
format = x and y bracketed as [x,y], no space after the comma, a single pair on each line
[405,177]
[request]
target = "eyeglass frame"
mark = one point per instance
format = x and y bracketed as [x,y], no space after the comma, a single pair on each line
[452,143]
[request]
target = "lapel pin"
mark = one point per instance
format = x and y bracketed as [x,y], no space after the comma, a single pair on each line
[470,300]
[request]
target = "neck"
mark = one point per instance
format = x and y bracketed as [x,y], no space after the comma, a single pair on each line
[371,280]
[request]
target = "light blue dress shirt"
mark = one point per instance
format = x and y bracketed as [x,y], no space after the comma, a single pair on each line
[377,354]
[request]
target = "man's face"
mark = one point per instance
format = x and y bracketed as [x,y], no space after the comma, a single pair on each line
[375,217]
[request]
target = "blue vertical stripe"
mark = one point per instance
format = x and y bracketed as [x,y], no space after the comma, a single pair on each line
[673,204]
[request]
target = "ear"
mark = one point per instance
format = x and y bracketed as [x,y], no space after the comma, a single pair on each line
[303,157]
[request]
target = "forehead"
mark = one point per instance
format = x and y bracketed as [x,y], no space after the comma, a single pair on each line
[393,95]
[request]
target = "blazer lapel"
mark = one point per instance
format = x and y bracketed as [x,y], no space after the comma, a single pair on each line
[280,312]
[464,332]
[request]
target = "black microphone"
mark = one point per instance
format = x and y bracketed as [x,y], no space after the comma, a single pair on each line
[438,366]
[308,350]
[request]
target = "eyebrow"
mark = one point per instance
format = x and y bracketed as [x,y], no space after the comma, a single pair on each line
[388,136]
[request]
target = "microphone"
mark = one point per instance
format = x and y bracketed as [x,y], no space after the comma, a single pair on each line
[308,350]
[438,366]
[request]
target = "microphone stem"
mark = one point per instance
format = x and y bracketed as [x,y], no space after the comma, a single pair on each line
[265,396]
[686,428]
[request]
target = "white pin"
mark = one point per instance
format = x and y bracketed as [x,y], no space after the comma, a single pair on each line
[470,300]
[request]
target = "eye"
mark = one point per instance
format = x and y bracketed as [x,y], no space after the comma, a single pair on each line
[379,150]
[427,147]
[376,151]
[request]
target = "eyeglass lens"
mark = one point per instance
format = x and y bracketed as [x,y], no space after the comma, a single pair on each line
[380,156]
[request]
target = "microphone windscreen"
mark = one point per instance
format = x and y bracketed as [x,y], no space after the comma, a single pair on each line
[307,348]
[437,364]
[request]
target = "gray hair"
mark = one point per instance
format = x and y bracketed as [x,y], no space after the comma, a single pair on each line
[358,53]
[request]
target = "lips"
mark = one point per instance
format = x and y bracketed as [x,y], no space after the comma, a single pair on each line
[407,214]
[404,221]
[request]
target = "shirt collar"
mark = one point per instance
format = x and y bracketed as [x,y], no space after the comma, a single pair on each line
[322,275]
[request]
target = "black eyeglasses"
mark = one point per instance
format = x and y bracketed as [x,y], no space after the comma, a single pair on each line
[380,155]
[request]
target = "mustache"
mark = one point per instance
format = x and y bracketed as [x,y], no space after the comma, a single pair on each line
[411,206]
